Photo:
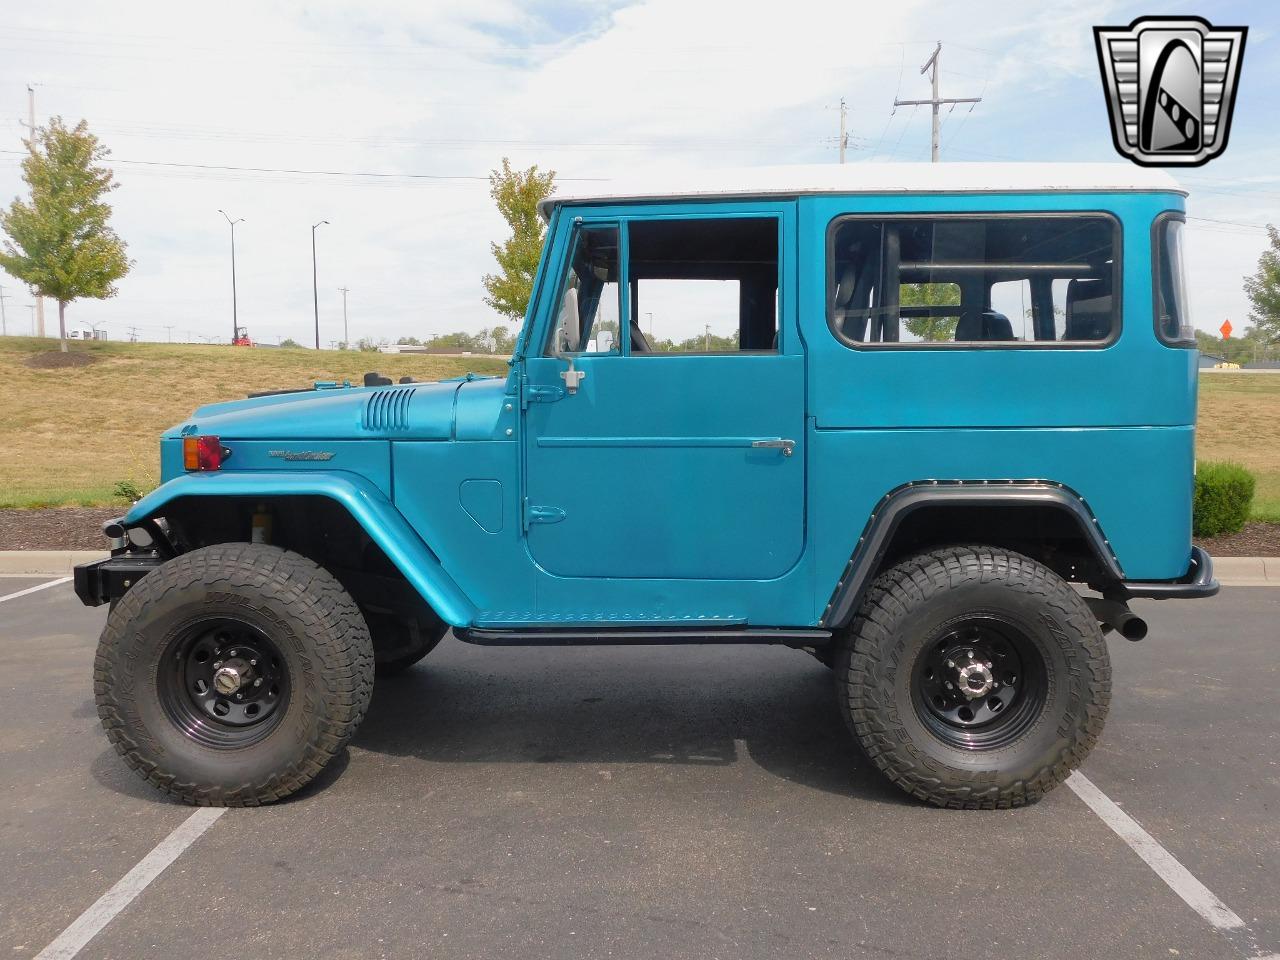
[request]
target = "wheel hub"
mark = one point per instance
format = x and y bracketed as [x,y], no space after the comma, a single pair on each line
[230,677]
[226,683]
[974,679]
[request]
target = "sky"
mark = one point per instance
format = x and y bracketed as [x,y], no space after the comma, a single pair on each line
[386,118]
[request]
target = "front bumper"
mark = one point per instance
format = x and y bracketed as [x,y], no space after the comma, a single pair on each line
[103,581]
[1198,581]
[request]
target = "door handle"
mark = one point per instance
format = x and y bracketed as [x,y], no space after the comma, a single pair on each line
[787,447]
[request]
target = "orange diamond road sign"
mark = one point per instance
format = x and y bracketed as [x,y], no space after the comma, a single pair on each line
[1226,329]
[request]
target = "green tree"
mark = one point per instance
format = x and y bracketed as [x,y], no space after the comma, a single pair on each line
[290,342]
[59,242]
[1263,290]
[930,295]
[517,192]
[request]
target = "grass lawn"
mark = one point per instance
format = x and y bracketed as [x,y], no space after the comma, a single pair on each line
[1240,421]
[68,435]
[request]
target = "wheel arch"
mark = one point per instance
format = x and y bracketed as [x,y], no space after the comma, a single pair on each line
[220,507]
[1043,519]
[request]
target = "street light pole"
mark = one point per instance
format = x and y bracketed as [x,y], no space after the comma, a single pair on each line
[346,340]
[315,290]
[235,315]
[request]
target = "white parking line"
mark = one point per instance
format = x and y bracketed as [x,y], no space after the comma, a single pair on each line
[1180,880]
[1197,896]
[86,926]
[37,587]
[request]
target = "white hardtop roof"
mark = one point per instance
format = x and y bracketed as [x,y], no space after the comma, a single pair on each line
[881,178]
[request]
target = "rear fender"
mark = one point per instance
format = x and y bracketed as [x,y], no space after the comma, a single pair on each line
[367,505]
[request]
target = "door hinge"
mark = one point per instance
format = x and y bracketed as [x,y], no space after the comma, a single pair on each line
[539,514]
[541,393]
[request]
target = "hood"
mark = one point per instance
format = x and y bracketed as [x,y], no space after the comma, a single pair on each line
[414,411]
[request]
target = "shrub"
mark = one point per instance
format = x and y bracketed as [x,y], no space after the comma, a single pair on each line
[127,490]
[1223,495]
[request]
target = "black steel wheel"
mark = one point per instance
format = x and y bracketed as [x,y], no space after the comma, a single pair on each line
[974,677]
[979,682]
[223,681]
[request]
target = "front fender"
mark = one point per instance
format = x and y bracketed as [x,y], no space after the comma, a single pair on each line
[366,504]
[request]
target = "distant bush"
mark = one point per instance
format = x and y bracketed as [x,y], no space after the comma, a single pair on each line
[1223,495]
[127,490]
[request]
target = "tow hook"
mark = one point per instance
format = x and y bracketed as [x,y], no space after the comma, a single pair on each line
[1116,615]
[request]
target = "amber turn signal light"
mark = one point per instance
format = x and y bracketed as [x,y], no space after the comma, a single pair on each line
[202,453]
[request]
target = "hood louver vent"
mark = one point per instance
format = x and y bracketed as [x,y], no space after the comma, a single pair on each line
[388,410]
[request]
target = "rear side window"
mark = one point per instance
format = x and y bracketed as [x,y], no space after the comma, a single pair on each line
[1173,325]
[977,281]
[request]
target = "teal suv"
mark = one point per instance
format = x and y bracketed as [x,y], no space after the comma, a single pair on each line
[933,425]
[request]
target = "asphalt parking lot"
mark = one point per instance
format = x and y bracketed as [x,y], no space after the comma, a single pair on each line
[651,802]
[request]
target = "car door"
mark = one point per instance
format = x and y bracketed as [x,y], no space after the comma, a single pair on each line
[668,464]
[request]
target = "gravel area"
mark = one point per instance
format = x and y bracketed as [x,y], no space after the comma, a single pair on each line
[1255,540]
[58,528]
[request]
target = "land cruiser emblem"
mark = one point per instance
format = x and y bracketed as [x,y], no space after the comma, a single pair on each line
[301,454]
[1171,86]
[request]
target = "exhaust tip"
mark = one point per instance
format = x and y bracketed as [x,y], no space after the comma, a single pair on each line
[1133,628]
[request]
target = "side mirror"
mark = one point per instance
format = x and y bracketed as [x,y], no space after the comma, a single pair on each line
[568,335]
[568,324]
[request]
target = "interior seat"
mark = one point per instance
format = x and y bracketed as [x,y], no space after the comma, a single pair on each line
[1089,308]
[639,344]
[987,325]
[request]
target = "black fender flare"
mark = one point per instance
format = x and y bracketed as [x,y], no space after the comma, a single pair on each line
[869,552]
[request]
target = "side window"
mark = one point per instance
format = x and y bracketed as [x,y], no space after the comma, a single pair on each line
[703,285]
[974,280]
[1173,324]
[586,318]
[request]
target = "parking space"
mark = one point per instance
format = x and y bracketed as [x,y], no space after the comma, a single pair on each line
[676,802]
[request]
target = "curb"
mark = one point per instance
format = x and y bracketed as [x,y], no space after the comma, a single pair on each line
[45,562]
[1247,571]
[1230,571]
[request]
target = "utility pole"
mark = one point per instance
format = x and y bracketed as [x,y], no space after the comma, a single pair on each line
[32,308]
[315,290]
[235,316]
[345,339]
[844,137]
[133,334]
[4,324]
[31,131]
[169,328]
[936,101]
[706,338]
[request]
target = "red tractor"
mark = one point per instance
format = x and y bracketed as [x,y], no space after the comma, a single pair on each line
[242,338]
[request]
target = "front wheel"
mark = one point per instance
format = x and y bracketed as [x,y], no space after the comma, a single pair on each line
[974,677]
[232,674]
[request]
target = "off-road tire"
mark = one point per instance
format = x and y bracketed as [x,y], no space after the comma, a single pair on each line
[905,608]
[322,639]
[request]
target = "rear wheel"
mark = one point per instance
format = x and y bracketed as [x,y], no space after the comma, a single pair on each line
[232,674]
[974,677]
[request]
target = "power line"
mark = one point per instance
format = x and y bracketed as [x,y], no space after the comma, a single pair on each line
[318,173]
